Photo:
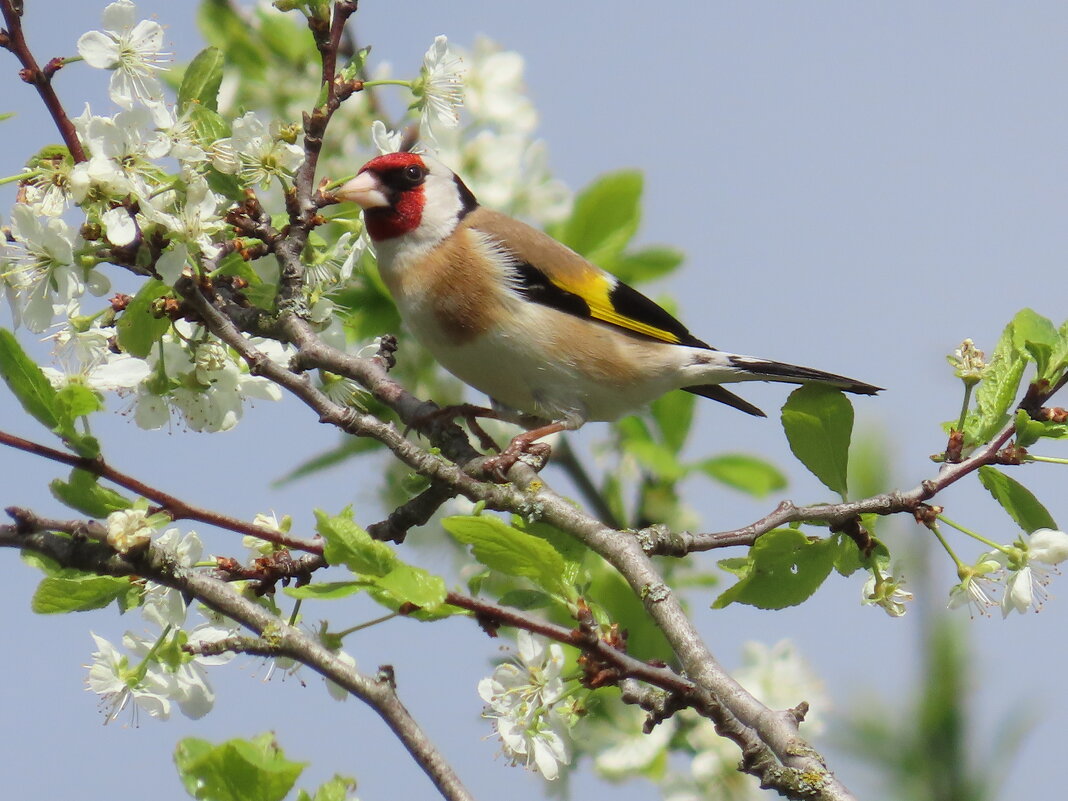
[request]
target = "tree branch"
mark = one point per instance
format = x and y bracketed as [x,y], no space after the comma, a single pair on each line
[378,692]
[657,541]
[12,39]
[175,507]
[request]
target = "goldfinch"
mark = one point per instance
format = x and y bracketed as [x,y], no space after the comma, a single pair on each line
[553,340]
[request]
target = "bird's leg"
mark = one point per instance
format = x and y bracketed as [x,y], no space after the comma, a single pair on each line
[470,413]
[524,443]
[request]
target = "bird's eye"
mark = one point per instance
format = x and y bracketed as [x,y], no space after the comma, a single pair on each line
[414,174]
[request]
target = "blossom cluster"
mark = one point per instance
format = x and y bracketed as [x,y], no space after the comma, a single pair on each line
[526,702]
[158,181]
[1013,578]
[152,671]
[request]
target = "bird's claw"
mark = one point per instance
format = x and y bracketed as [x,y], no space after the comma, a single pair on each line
[535,454]
[470,414]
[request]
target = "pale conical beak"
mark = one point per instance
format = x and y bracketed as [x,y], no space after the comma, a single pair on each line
[365,189]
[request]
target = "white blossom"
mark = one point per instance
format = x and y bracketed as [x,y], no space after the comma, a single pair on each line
[494,93]
[210,395]
[968,362]
[523,701]
[131,49]
[40,270]
[46,188]
[779,678]
[337,692]
[128,529]
[193,222]
[507,171]
[333,269]
[111,677]
[622,749]
[886,591]
[979,585]
[439,89]
[120,228]
[185,683]
[270,521]
[256,152]
[163,605]
[385,140]
[121,163]
[1031,568]
[86,357]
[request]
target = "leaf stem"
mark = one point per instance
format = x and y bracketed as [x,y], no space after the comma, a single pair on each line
[968,386]
[942,540]
[367,625]
[22,176]
[386,82]
[974,535]
[1051,459]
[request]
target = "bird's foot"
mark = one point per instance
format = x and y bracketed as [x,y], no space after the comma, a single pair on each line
[524,445]
[536,454]
[470,414]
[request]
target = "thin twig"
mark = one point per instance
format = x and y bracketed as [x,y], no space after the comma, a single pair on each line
[831,514]
[32,73]
[175,507]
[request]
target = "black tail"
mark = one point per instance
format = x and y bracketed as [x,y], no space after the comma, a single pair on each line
[792,374]
[718,393]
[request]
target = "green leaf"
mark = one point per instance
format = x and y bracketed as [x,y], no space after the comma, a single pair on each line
[349,447]
[408,584]
[209,125]
[139,329]
[1058,359]
[339,788]
[673,415]
[658,459]
[236,770]
[202,79]
[348,544]
[1028,431]
[78,400]
[501,547]
[572,549]
[83,493]
[746,473]
[355,68]
[327,590]
[56,595]
[28,383]
[645,264]
[996,392]
[1035,334]
[262,295]
[605,216]
[285,38]
[848,558]
[645,640]
[234,264]
[1016,499]
[818,421]
[223,27]
[784,568]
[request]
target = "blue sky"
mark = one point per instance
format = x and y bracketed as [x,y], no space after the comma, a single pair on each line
[858,187]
